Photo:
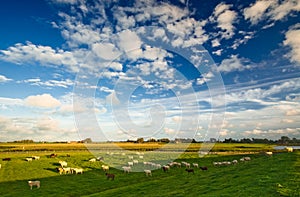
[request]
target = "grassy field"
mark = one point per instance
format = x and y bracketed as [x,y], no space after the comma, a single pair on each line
[194,147]
[278,175]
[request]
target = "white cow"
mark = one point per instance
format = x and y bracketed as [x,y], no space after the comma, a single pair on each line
[34,183]
[148,172]
[77,170]
[28,159]
[63,163]
[269,153]
[126,169]
[289,149]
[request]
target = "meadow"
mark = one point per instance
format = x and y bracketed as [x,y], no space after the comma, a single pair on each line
[277,175]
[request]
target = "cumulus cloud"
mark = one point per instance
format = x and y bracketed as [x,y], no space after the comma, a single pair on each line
[224,17]
[4,79]
[43,100]
[45,55]
[292,39]
[233,64]
[255,12]
[272,10]
[106,51]
[129,40]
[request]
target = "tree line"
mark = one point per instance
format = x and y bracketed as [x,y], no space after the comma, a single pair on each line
[284,140]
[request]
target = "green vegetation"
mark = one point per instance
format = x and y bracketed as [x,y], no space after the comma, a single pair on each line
[276,175]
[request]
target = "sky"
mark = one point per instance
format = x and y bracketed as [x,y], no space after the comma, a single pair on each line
[116,70]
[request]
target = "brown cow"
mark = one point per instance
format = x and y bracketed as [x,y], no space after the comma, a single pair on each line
[110,176]
[190,170]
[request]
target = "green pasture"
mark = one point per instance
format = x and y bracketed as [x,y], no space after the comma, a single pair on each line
[278,175]
[193,147]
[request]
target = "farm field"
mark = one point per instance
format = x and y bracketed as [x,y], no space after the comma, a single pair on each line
[277,175]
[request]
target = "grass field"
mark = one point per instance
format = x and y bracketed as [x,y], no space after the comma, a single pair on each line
[278,175]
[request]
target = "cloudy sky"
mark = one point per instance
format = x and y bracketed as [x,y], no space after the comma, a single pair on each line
[118,70]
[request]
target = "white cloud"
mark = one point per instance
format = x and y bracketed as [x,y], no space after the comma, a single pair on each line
[225,19]
[4,79]
[256,11]
[106,51]
[284,8]
[45,55]
[232,64]
[129,40]
[47,124]
[292,112]
[188,32]
[77,33]
[169,131]
[44,100]
[66,1]
[218,52]
[112,99]
[50,83]
[11,101]
[292,39]
[273,10]
[215,43]
[38,129]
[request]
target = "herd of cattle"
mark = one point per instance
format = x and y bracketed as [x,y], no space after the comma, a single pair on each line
[132,163]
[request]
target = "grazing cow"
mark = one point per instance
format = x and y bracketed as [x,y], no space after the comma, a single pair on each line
[77,170]
[126,169]
[135,161]
[100,158]
[269,153]
[234,161]
[105,168]
[110,176]
[289,149]
[64,170]
[35,157]
[34,183]
[203,168]
[130,163]
[6,159]
[247,158]
[63,163]
[190,170]
[28,159]
[166,168]
[195,165]
[148,172]
[53,155]
[92,160]
[130,157]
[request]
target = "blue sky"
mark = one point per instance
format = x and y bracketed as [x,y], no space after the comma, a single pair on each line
[118,70]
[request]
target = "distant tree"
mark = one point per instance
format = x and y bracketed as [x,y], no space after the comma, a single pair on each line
[87,140]
[194,141]
[140,140]
[164,140]
[24,141]
[151,140]
[246,140]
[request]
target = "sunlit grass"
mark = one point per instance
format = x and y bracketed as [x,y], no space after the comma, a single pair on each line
[277,175]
